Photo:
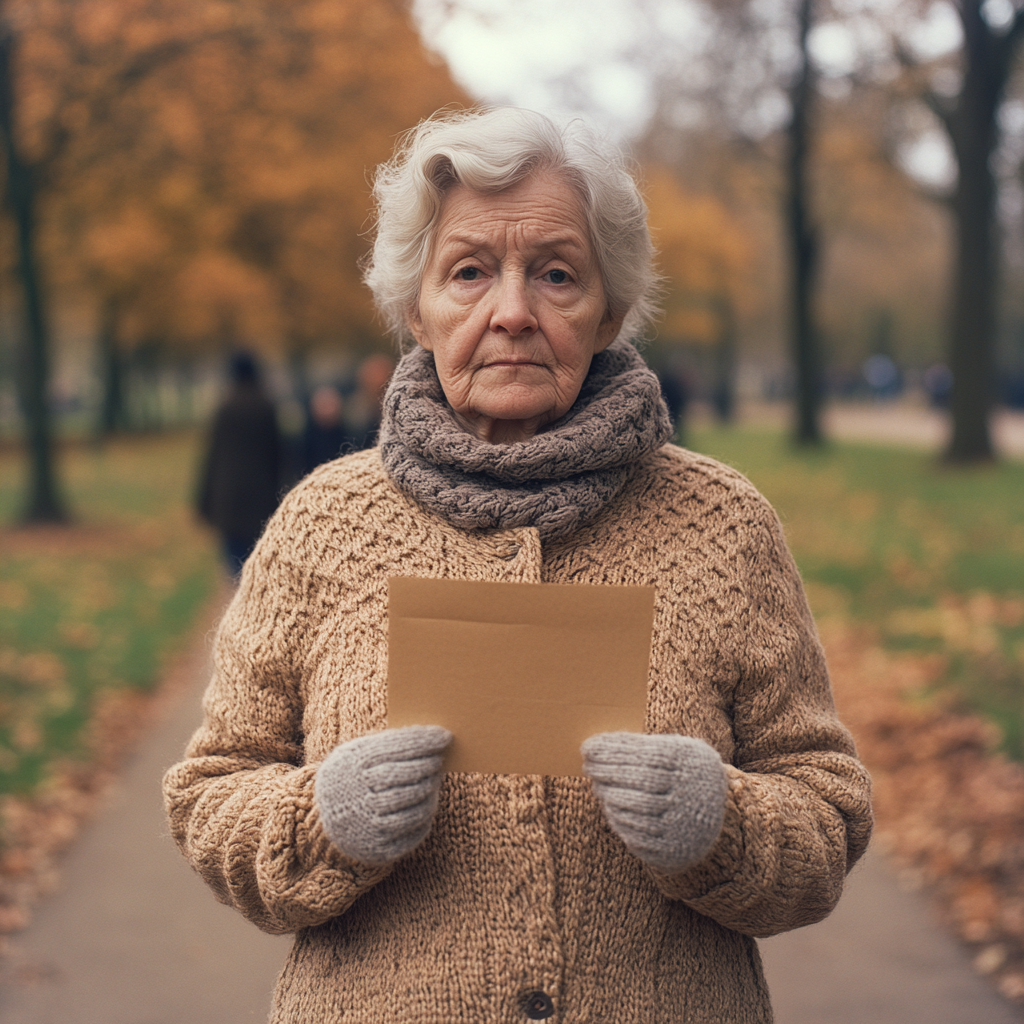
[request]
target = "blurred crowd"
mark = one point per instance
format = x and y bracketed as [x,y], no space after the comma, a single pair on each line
[250,462]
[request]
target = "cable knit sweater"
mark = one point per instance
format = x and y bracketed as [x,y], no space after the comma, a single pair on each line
[521,887]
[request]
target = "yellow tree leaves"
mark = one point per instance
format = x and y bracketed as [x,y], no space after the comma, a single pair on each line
[705,254]
[209,163]
[886,245]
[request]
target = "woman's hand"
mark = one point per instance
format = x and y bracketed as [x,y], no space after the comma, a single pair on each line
[377,794]
[663,795]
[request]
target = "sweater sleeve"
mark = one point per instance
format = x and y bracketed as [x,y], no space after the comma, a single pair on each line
[798,811]
[241,805]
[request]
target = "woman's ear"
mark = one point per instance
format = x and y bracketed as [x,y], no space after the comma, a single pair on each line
[608,330]
[415,325]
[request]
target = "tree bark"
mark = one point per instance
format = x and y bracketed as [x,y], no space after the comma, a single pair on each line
[112,408]
[724,395]
[973,130]
[44,504]
[973,317]
[803,243]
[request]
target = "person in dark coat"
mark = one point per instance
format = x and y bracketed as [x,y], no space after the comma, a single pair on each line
[676,392]
[325,437]
[373,376]
[241,478]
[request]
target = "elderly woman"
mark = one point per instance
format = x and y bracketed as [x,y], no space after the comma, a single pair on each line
[523,440]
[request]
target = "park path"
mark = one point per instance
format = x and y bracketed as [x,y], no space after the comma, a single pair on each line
[133,937]
[905,423]
[917,426]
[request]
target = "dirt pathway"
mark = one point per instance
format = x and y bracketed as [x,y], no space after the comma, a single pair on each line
[133,937]
[880,958]
[905,423]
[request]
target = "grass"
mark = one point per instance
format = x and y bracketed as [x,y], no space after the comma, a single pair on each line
[97,606]
[930,557]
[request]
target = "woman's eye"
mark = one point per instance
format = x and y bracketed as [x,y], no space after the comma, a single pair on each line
[557,276]
[467,274]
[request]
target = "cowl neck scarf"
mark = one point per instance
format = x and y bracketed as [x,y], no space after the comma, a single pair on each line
[556,481]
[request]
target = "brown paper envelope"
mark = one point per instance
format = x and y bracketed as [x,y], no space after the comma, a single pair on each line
[521,673]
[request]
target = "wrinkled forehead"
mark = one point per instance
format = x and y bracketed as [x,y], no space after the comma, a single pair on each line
[543,207]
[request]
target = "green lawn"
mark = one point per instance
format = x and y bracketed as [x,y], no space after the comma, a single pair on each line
[930,557]
[97,605]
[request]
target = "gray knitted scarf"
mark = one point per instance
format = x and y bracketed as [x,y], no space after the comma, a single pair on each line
[557,480]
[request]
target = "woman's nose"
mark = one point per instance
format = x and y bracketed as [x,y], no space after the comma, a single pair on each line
[512,310]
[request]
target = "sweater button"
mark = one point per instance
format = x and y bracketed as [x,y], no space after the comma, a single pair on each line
[538,1005]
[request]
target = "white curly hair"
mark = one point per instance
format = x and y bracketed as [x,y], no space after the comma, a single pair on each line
[490,150]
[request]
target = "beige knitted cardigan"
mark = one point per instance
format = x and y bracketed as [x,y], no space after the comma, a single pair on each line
[521,886]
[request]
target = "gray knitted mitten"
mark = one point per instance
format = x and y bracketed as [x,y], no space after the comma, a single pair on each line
[664,796]
[377,794]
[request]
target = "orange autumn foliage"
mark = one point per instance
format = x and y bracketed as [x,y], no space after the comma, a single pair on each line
[704,254]
[884,245]
[208,165]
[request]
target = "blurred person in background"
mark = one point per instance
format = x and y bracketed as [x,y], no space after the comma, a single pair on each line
[372,377]
[675,390]
[325,436]
[241,477]
[938,385]
[883,377]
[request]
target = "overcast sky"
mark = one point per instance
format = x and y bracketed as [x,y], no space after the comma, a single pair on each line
[593,57]
[600,58]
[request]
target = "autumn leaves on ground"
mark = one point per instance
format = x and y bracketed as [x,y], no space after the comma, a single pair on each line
[914,572]
[88,615]
[202,169]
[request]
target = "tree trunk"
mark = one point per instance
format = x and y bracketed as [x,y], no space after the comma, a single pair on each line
[972,127]
[298,367]
[803,243]
[724,396]
[973,319]
[44,504]
[146,378]
[185,385]
[112,408]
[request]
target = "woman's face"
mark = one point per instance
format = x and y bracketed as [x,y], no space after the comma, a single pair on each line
[512,306]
